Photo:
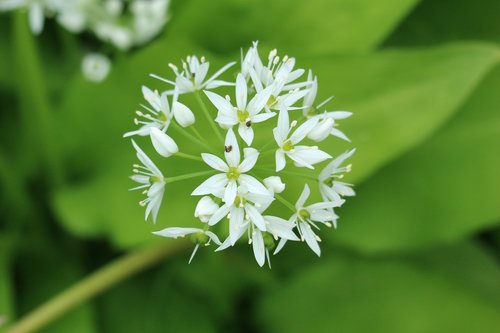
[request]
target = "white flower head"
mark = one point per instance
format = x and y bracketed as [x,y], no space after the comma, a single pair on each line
[151,179]
[303,156]
[193,75]
[246,113]
[239,191]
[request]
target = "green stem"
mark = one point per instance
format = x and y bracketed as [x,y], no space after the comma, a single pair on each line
[33,96]
[196,133]
[285,202]
[288,173]
[95,284]
[209,118]
[189,176]
[188,136]
[188,156]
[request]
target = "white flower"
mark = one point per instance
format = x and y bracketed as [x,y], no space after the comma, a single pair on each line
[205,208]
[192,77]
[245,114]
[274,184]
[332,189]
[199,236]
[36,16]
[226,184]
[303,156]
[95,67]
[305,218]
[160,114]
[149,176]
[326,120]
[164,144]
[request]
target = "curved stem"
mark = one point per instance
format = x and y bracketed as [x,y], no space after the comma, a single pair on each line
[209,118]
[95,284]
[188,156]
[189,176]
[183,132]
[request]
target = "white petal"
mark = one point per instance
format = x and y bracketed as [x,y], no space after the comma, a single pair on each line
[310,237]
[310,154]
[219,72]
[164,145]
[236,227]
[230,192]
[36,18]
[280,160]
[219,214]
[215,162]
[338,114]
[211,185]
[280,228]
[253,185]
[335,164]
[233,156]
[303,197]
[201,73]
[152,98]
[275,184]
[258,248]
[146,160]
[280,246]
[220,103]
[343,189]
[258,118]
[213,237]
[246,133]
[241,92]
[300,133]
[339,134]
[259,101]
[255,217]
[184,85]
[251,156]
[176,232]
[283,124]
[322,130]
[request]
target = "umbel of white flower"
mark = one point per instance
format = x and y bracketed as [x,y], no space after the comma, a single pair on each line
[271,138]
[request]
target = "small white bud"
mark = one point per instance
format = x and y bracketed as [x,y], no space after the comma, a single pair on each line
[95,67]
[164,145]
[275,184]
[183,115]
[205,208]
[321,130]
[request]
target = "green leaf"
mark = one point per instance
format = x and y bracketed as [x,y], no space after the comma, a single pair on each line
[399,97]
[6,281]
[346,294]
[442,191]
[435,22]
[304,27]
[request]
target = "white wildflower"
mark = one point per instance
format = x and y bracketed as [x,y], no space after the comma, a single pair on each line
[95,67]
[329,185]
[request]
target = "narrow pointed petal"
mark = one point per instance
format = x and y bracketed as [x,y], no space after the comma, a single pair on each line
[236,228]
[230,192]
[310,237]
[303,197]
[253,185]
[201,73]
[241,92]
[280,160]
[222,105]
[215,162]
[255,217]
[246,133]
[233,156]
[258,248]
[219,214]
[211,185]
[249,161]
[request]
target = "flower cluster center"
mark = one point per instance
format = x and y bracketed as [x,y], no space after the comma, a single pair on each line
[233,173]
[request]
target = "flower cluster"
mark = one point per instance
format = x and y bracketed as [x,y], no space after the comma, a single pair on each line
[123,24]
[274,103]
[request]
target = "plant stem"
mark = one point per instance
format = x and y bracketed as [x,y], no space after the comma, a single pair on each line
[285,202]
[183,132]
[188,156]
[189,176]
[288,173]
[209,118]
[95,284]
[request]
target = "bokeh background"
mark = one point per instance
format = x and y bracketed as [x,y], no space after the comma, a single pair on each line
[417,250]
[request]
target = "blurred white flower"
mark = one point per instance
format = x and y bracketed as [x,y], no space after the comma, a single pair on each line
[330,187]
[95,67]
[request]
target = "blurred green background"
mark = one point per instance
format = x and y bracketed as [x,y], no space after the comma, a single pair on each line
[417,250]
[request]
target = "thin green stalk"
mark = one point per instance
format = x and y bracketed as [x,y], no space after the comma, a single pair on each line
[188,136]
[189,176]
[289,173]
[95,284]
[188,156]
[196,133]
[209,118]
[285,202]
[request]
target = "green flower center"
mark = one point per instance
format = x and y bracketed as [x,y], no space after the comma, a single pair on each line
[242,116]
[287,146]
[239,201]
[271,100]
[233,173]
[304,214]
[162,117]
[155,179]
[200,238]
[312,111]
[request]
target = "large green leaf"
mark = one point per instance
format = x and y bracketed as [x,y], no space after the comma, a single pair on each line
[346,294]
[440,192]
[304,27]
[437,21]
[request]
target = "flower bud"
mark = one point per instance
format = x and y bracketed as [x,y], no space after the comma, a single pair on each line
[183,115]
[275,184]
[164,145]
[321,130]
[95,67]
[205,208]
